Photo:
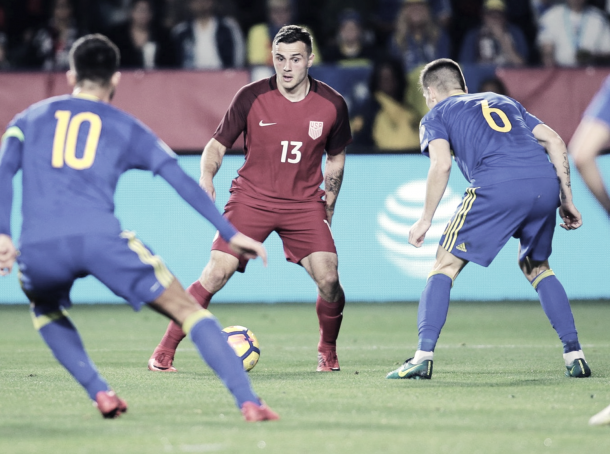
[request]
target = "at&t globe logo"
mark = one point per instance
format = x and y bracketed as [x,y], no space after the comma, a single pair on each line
[401,209]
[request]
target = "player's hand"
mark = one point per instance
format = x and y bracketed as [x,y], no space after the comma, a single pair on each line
[249,248]
[418,231]
[571,217]
[208,186]
[8,254]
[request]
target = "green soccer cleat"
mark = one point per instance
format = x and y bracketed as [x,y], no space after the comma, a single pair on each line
[422,371]
[578,369]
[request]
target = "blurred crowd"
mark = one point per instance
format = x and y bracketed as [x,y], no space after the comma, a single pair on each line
[393,37]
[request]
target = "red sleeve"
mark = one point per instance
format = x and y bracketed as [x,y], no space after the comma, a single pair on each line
[341,133]
[234,121]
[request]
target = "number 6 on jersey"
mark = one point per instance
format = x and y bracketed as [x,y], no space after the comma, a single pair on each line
[295,151]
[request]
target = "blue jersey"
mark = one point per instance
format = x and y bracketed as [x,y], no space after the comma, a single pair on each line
[599,108]
[72,151]
[491,138]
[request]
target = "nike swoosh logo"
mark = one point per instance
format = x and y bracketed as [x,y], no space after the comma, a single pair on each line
[405,372]
[266,124]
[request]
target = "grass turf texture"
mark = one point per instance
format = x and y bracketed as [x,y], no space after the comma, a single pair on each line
[498,385]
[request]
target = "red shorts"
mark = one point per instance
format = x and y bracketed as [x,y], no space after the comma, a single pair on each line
[303,228]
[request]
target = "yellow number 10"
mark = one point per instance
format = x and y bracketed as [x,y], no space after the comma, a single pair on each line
[491,122]
[66,135]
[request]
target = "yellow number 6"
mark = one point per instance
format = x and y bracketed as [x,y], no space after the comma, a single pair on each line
[66,135]
[491,122]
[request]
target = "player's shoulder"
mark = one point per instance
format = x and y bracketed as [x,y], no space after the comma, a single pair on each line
[249,92]
[328,93]
[259,87]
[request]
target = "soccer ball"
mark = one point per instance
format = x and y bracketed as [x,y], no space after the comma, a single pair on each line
[244,343]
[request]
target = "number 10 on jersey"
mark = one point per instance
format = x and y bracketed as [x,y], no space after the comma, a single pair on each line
[296,147]
[66,136]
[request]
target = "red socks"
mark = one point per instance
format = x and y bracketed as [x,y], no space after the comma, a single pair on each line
[174,334]
[330,316]
[201,295]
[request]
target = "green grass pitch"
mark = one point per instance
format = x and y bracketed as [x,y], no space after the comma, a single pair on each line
[498,385]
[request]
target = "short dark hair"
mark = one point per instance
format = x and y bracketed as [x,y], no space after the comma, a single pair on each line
[444,74]
[95,58]
[291,34]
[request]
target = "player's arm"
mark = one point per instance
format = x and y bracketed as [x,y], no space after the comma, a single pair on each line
[211,160]
[558,154]
[333,178]
[590,139]
[188,189]
[438,177]
[10,163]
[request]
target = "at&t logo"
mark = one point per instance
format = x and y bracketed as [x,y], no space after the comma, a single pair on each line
[401,209]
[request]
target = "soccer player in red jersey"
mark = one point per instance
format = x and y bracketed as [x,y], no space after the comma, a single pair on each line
[288,121]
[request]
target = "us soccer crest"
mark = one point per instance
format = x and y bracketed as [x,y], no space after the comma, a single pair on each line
[315,129]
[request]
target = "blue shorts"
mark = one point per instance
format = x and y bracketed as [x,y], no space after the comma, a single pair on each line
[488,216]
[123,263]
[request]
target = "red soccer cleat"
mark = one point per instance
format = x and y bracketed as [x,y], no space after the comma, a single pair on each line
[328,361]
[258,412]
[161,361]
[109,404]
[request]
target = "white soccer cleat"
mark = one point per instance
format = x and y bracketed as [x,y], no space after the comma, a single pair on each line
[603,417]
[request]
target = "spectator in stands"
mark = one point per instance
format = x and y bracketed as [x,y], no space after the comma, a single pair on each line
[208,40]
[417,38]
[49,46]
[539,7]
[385,121]
[260,36]
[350,47]
[574,34]
[495,42]
[142,44]
[4,63]
[493,85]
[386,11]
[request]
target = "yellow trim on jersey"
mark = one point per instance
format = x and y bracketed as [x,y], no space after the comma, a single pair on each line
[13,131]
[434,272]
[43,320]
[458,221]
[164,276]
[86,96]
[192,320]
[541,276]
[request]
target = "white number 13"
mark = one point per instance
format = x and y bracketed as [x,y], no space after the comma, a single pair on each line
[295,151]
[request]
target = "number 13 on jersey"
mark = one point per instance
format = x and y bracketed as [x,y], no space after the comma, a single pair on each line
[66,136]
[296,151]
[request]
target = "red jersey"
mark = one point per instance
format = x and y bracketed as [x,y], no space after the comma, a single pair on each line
[284,141]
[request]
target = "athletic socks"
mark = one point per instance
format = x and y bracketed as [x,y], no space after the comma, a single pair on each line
[174,334]
[432,310]
[421,356]
[557,308]
[205,332]
[201,295]
[570,357]
[63,339]
[330,316]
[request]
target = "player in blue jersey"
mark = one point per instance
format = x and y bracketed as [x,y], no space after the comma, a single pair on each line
[72,150]
[590,140]
[504,152]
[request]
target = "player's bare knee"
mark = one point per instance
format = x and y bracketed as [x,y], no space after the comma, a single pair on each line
[328,284]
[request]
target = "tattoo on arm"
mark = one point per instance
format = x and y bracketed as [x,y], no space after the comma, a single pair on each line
[568,183]
[332,186]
